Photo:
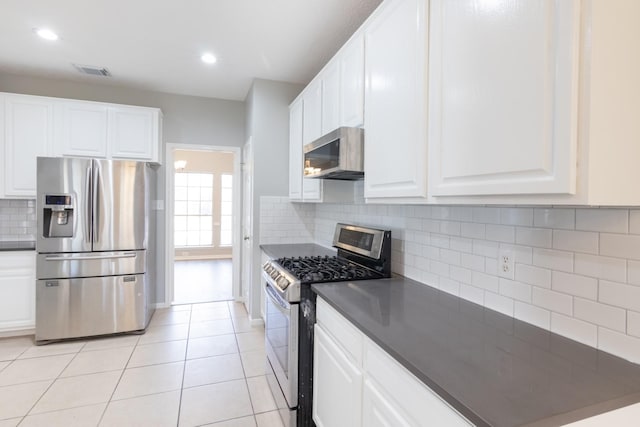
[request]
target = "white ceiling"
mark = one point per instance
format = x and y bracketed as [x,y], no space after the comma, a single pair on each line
[157,44]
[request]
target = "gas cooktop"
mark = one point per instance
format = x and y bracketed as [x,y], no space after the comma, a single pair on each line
[318,269]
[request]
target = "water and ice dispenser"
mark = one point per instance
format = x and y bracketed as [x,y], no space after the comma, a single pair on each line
[58,215]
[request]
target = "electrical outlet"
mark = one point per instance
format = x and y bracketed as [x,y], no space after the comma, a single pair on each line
[506,264]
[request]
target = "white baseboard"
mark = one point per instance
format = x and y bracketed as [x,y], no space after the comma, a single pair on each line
[17,333]
[256,322]
[200,257]
[161,305]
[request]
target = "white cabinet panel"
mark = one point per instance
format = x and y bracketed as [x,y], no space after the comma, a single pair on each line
[330,97]
[378,410]
[17,290]
[337,386]
[295,151]
[312,99]
[395,101]
[133,133]
[83,129]
[28,133]
[351,59]
[503,81]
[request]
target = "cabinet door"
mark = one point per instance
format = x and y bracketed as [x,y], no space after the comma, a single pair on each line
[84,129]
[378,410]
[295,151]
[395,101]
[503,81]
[312,99]
[337,385]
[28,133]
[17,290]
[331,97]
[133,133]
[352,82]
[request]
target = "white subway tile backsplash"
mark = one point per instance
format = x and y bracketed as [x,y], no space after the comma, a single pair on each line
[619,344]
[575,329]
[582,264]
[600,314]
[499,303]
[538,237]
[620,295]
[516,216]
[532,314]
[553,301]
[553,260]
[633,323]
[516,290]
[614,269]
[576,241]
[554,218]
[485,281]
[501,233]
[573,284]
[17,220]
[620,245]
[607,220]
[533,275]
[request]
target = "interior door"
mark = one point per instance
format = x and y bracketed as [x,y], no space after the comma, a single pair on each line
[247,220]
[121,205]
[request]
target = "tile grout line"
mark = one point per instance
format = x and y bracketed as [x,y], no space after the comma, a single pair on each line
[184,366]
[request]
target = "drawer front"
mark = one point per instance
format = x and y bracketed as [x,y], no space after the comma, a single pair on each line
[340,329]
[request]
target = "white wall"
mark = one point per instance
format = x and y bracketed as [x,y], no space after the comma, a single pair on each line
[186,120]
[268,127]
[577,270]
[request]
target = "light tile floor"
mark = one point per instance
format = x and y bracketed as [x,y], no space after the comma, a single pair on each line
[200,364]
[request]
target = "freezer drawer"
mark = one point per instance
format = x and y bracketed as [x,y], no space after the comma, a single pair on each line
[70,308]
[90,264]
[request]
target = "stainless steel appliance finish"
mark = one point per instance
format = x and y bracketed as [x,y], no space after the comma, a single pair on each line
[363,253]
[336,155]
[92,264]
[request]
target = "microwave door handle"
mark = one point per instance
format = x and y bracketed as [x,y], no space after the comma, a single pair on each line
[276,301]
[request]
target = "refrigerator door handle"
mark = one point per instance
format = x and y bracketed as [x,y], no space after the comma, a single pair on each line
[87,219]
[85,257]
[96,201]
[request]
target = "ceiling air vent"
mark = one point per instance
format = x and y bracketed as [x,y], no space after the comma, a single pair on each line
[93,71]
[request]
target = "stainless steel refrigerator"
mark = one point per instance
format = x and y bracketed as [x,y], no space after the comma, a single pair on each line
[93,232]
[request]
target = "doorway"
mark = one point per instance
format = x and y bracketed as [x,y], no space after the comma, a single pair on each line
[202,230]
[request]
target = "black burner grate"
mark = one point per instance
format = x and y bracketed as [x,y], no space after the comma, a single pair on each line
[318,269]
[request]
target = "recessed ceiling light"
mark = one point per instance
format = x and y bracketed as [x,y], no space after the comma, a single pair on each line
[46,33]
[208,58]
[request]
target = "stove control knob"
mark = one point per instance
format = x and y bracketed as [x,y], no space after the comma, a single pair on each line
[266,264]
[274,273]
[282,282]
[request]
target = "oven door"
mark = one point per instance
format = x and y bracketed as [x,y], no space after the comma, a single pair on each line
[281,342]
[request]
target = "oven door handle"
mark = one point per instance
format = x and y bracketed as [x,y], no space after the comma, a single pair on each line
[283,306]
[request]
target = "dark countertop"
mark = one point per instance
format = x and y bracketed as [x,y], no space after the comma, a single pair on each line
[495,370]
[296,249]
[17,246]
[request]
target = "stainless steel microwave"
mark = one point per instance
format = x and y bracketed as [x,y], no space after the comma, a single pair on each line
[336,155]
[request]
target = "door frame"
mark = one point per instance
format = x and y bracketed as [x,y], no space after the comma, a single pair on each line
[169,257]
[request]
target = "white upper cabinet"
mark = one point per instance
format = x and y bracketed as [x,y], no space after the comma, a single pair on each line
[312,100]
[395,101]
[295,150]
[133,133]
[83,130]
[503,81]
[351,59]
[27,134]
[330,97]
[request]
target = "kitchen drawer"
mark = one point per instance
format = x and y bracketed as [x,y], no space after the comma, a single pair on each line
[341,330]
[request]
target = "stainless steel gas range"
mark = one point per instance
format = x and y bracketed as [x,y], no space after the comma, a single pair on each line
[363,254]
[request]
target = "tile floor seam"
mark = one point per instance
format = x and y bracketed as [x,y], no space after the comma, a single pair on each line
[184,367]
[104,411]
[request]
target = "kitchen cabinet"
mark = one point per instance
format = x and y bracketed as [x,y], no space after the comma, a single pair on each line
[356,383]
[330,78]
[27,132]
[351,106]
[395,101]
[503,86]
[134,133]
[83,129]
[295,150]
[312,112]
[17,290]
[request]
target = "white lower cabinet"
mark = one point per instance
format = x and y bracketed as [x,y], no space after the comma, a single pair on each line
[356,383]
[17,290]
[337,386]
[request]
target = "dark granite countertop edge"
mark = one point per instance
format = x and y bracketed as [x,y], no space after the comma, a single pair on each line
[9,246]
[550,421]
